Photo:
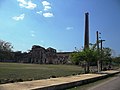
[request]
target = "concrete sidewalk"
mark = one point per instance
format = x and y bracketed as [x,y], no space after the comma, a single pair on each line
[56,83]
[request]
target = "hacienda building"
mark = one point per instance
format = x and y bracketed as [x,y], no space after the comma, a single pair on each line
[40,55]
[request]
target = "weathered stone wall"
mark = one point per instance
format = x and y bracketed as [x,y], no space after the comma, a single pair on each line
[40,55]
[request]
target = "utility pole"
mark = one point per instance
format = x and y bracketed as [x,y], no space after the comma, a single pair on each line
[98,62]
[101,52]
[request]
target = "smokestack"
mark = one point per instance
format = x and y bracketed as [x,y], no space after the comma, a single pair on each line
[86,38]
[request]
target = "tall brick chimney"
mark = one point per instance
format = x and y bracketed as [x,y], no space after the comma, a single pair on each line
[86,38]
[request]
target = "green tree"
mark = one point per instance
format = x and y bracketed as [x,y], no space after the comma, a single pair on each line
[5,50]
[116,61]
[106,56]
[87,56]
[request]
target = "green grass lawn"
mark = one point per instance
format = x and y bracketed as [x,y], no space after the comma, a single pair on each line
[36,71]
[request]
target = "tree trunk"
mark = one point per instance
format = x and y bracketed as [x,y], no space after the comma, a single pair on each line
[85,67]
[88,67]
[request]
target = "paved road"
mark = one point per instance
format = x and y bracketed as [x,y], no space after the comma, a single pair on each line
[112,84]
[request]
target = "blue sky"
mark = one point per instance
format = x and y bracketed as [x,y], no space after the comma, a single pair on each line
[58,23]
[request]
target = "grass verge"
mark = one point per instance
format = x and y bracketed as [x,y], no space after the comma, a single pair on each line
[15,72]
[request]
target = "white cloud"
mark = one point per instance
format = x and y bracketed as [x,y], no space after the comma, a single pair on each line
[31,5]
[69,28]
[27,4]
[22,1]
[48,14]
[46,3]
[17,18]
[46,8]
[42,41]
[32,33]
[39,12]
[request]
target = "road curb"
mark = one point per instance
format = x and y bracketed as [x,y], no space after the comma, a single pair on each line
[77,83]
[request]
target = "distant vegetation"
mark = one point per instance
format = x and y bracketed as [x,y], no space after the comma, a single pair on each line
[5,50]
[89,57]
